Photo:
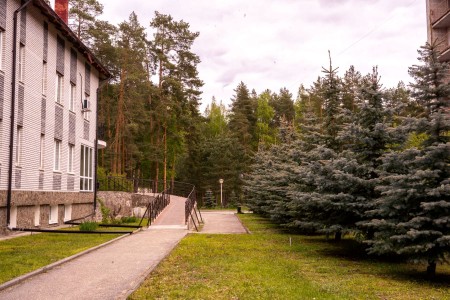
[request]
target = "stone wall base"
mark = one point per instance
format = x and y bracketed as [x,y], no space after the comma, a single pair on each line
[34,209]
[38,209]
[122,203]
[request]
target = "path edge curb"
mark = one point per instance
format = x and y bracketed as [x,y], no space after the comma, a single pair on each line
[242,223]
[46,268]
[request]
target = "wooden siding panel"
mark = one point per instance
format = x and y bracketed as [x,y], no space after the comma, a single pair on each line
[70,182]
[18,179]
[59,125]
[20,105]
[2,95]
[41,180]
[86,130]
[45,42]
[87,79]
[57,181]
[73,66]
[3,14]
[60,55]
[72,125]
[43,114]
[23,26]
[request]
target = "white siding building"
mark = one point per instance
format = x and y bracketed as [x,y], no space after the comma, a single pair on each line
[47,137]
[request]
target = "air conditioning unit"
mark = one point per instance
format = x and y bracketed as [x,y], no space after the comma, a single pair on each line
[85,104]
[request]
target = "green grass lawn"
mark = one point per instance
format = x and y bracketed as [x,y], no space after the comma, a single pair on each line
[21,255]
[264,265]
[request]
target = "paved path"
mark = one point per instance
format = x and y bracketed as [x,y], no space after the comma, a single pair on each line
[221,222]
[117,269]
[173,214]
[111,272]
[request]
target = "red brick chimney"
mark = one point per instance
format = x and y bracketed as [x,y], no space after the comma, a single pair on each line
[62,9]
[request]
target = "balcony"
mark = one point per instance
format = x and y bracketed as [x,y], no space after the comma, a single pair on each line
[440,14]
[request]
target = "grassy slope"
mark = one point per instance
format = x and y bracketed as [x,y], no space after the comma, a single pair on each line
[21,255]
[264,265]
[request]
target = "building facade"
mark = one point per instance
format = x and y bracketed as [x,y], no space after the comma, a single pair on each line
[48,90]
[438,26]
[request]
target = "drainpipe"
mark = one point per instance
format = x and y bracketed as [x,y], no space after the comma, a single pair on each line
[13,114]
[102,83]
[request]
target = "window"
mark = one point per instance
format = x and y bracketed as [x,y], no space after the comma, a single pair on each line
[67,212]
[37,215]
[44,78]
[41,152]
[19,145]
[21,63]
[59,88]
[86,178]
[73,94]
[87,109]
[57,156]
[70,158]
[53,217]
[13,220]
[2,48]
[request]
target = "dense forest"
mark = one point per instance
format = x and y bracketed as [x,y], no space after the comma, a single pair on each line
[343,156]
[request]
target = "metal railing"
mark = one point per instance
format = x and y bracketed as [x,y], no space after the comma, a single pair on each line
[191,210]
[130,185]
[155,207]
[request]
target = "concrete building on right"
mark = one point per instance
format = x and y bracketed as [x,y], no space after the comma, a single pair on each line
[438,26]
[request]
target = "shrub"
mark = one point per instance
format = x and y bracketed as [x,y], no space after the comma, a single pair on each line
[88,226]
[129,219]
[106,212]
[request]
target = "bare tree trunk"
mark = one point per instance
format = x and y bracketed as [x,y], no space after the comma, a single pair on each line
[431,268]
[338,236]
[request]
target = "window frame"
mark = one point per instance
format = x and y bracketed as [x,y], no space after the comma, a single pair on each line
[19,145]
[41,152]
[2,49]
[57,155]
[37,215]
[44,78]
[70,157]
[86,169]
[73,96]
[86,114]
[59,89]
[53,214]
[21,63]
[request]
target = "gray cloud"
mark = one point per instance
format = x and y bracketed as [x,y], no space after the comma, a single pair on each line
[272,44]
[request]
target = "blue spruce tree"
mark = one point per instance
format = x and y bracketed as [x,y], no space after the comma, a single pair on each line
[412,216]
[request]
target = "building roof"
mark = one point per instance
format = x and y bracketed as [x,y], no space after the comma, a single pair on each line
[70,35]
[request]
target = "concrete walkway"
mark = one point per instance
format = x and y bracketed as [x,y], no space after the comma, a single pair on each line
[172,216]
[222,222]
[111,272]
[117,269]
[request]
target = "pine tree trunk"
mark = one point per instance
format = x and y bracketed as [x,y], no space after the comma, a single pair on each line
[157,163]
[165,158]
[338,236]
[117,164]
[172,179]
[431,268]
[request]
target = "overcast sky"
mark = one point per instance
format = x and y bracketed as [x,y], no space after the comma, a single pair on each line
[284,43]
